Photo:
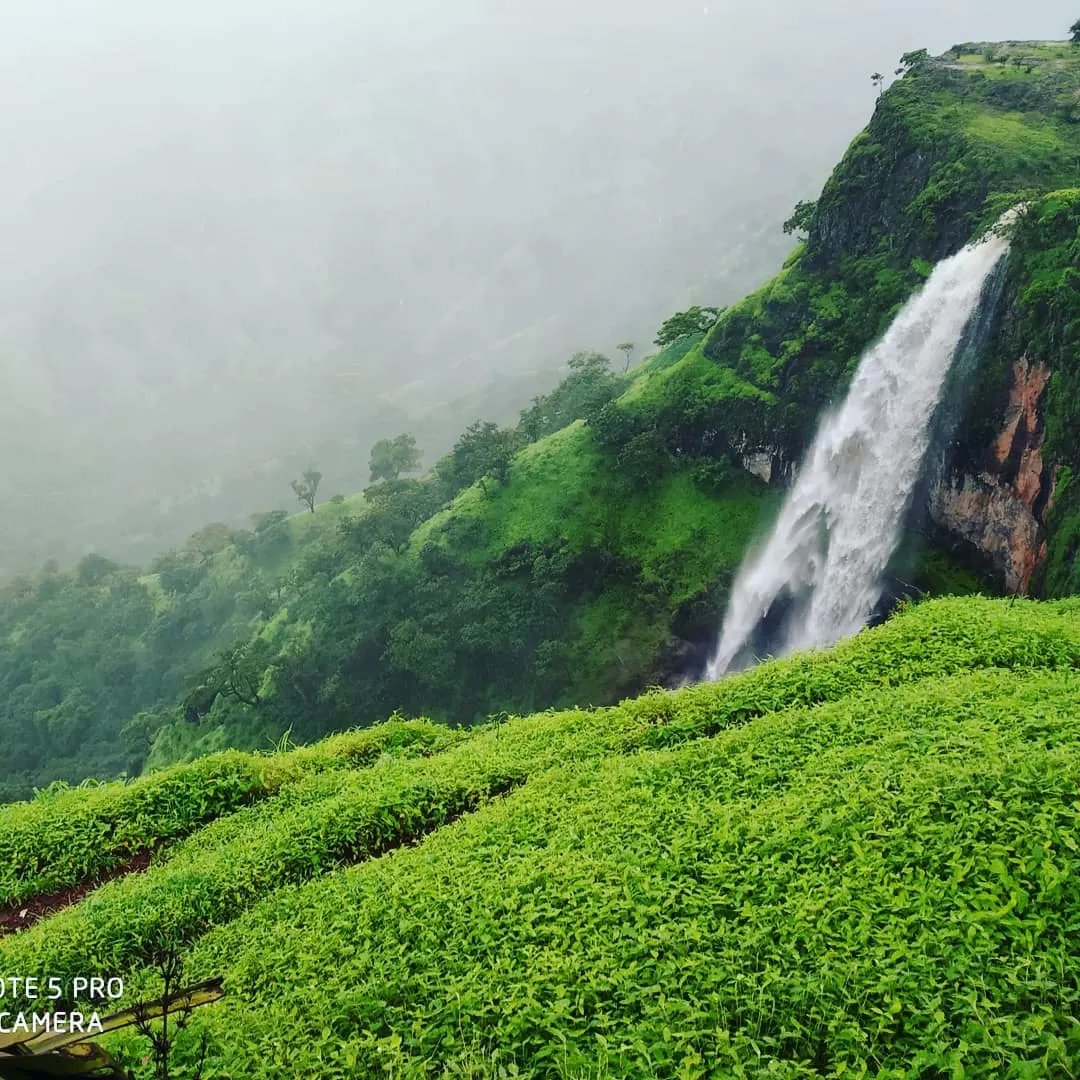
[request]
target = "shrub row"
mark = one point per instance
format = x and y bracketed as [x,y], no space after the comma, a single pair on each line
[213,876]
[70,836]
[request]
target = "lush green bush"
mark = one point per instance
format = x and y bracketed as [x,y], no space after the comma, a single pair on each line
[222,869]
[69,836]
[849,860]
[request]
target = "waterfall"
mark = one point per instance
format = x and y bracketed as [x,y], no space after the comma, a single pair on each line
[819,575]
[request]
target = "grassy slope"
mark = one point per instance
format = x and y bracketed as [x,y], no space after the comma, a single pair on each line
[683,538]
[70,836]
[860,859]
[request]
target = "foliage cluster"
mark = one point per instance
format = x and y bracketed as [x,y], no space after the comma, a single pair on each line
[887,884]
[102,663]
[93,661]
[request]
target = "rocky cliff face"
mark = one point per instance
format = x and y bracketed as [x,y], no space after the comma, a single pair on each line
[999,512]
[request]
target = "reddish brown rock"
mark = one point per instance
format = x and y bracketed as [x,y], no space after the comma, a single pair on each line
[1001,511]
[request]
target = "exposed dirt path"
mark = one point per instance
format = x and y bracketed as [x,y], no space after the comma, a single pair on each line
[27,912]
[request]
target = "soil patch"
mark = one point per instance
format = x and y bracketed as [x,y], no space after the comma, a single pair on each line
[27,912]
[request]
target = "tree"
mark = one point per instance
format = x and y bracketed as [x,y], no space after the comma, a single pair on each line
[801,218]
[1074,30]
[627,349]
[580,396]
[268,519]
[695,320]
[642,460]
[589,363]
[178,573]
[392,457]
[93,569]
[911,60]
[307,486]
[397,507]
[236,675]
[210,539]
[879,81]
[483,450]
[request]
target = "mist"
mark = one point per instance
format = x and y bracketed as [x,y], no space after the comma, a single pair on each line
[245,237]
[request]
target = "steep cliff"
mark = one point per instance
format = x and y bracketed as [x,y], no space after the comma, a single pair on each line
[999,511]
[1005,493]
[957,140]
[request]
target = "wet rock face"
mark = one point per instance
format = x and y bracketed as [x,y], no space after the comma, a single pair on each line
[1001,510]
[770,464]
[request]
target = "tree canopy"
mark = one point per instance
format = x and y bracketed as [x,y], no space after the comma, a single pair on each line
[392,457]
[484,450]
[801,217]
[695,320]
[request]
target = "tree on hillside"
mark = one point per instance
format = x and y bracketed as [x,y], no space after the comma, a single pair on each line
[483,450]
[392,457]
[627,349]
[588,363]
[396,508]
[879,81]
[307,486]
[1074,30]
[93,569]
[235,675]
[801,217]
[695,320]
[912,59]
[210,539]
[580,396]
[267,519]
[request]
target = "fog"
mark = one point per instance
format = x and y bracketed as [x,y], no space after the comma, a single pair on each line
[241,237]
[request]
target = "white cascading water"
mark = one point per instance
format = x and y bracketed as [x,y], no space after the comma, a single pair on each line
[824,562]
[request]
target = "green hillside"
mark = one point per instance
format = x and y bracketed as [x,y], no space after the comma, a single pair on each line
[858,862]
[586,553]
[93,660]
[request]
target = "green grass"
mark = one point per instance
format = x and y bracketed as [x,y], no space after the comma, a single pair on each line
[846,858]
[1017,133]
[884,884]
